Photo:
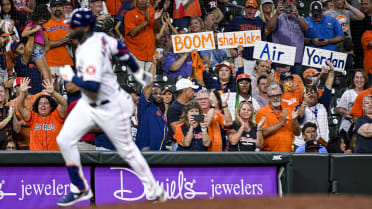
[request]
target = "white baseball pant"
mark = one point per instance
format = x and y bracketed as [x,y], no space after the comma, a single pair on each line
[114,119]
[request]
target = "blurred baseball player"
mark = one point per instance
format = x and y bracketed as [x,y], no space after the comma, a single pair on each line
[104,104]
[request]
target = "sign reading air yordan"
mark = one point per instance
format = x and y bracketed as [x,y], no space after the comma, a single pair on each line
[120,184]
[193,41]
[317,58]
[234,39]
[35,187]
[277,53]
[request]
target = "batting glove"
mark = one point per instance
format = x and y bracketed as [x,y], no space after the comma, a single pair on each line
[143,77]
[67,73]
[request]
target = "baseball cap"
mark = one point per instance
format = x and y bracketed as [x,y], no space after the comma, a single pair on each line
[166,90]
[54,3]
[251,3]
[226,64]
[281,65]
[310,72]
[266,1]
[312,144]
[316,8]
[286,75]
[17,81]
[184,83]
[3,34]
[242,77]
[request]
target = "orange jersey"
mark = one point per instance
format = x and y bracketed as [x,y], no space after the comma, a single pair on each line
[142,45]
[291,99]
[299,85]
[281,140]
[23,137]
[214,132]
[357,109]
[113,6]
[366,38]
[55,30]
[44,131]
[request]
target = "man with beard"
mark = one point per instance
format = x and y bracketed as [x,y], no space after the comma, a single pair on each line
[152,124]
[280,126]
[57,33]
[210,22]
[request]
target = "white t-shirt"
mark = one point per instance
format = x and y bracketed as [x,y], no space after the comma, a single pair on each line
[93,63]
[316,114]
[232,100]
[347,100]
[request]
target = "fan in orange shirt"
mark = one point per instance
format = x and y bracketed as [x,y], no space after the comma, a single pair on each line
[46,117]
[291,96]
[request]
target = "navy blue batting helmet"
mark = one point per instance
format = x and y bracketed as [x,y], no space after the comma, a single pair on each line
[82,17]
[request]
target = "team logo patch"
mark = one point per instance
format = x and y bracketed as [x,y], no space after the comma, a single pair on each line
[90,70]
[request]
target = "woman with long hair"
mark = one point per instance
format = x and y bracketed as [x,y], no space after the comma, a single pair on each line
[244,135]
[358,84]
[192,134]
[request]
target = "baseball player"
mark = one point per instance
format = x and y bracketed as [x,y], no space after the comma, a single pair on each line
[103,103]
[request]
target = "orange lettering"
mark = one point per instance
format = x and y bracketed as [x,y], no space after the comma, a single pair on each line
[196,38]
[187,39]
[206,39]
[177,42]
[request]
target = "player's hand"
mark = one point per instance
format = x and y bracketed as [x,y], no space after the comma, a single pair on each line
[48,86]
[25,85]
[67,73]
[143,77]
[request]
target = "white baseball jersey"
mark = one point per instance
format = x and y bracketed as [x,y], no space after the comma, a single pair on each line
[93,63]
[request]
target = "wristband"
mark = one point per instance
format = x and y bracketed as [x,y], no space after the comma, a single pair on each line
[9,118]
[212,107]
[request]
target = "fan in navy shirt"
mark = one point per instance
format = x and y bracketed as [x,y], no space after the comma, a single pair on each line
[363,128]
[247,22]
[152,124]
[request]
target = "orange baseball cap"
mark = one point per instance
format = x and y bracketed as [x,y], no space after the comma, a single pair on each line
[242,77]
[226,64]
[251,3]
[310,72]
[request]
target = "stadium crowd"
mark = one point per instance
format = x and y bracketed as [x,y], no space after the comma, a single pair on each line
[212,100]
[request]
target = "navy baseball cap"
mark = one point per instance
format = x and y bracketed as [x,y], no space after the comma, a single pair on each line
[316,8]
[286,75]
[55,3]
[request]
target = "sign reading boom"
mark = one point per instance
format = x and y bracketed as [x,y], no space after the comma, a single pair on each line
[275,52]
[315,57]
[193,41]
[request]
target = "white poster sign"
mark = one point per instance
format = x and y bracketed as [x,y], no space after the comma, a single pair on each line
[193,41]
[277,53]
[317,58]
[234,39]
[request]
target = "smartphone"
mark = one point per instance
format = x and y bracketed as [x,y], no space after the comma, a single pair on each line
[288,9]
[199,118]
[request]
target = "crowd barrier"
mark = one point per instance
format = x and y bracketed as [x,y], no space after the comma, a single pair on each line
[39,179]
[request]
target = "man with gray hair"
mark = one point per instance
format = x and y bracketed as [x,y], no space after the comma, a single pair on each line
[363,128]
[280,127]
[214,118]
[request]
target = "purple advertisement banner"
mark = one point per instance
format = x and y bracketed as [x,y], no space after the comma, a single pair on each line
[121,184]
[35,187]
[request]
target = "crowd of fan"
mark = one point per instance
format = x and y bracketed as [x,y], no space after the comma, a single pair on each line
[216,100]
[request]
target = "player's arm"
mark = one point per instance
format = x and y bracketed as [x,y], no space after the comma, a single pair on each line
[62,103]
[120,50]
[25,113]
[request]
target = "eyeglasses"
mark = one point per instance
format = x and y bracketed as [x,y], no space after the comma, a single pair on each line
[276,95]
